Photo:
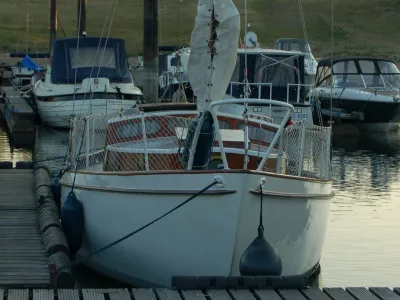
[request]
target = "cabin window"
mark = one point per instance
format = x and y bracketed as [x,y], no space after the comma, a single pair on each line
[388,67]
[323,77]
[224,124]
[92,56]
[373,80]
[368,67]
[347,66]
[293,46]
[278,71]
[390,73]
[258,133]
[348,80]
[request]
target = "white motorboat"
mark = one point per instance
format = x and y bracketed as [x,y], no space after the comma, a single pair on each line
[364,91]
[88,75]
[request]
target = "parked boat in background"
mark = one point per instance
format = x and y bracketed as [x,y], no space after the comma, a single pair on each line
[272,74]
[87,75]
[22,71]
[310,63]
[365,91]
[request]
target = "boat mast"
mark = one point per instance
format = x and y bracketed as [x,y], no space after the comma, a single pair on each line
[81,29]
[53,21]
[150,51]
[27,27]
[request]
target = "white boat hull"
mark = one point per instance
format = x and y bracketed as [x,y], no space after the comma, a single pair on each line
[205,237]
[57,113]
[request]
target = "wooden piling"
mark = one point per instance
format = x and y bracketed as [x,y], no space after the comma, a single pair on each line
[55,242]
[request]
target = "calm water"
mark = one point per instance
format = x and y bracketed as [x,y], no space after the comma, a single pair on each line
[362,244]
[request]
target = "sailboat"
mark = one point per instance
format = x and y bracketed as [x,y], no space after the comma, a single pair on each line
[87,75]
[131,169]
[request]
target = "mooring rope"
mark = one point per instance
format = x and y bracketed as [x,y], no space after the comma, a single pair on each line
[136,231]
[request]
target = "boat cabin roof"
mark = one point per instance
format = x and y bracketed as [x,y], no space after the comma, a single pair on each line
[72,61]
[269,51]
[358,72]
[327,62]
[292,44]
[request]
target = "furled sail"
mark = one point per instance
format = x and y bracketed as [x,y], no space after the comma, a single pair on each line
[213,57]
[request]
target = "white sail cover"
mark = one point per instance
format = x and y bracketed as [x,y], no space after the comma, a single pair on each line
[209,79]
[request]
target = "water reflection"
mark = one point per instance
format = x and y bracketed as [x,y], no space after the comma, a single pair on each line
[361,243]
[10,152]
[51,143]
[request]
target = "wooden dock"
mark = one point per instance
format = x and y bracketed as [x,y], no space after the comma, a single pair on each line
[18,113]
[356,293]
[23,260]
[32,243]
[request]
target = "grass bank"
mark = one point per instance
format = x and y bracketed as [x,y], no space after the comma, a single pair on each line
[361,27]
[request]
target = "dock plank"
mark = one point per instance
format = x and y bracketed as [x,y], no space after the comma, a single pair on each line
[68,294]
[119,294]
[361,293]
[384,293]
[193,295]
[92,294]
[18,294]
[218,295]
[291,294]
[338,294]
[167,294]
[241,294]
[315,294]
[43,294]
[269,294]
[143,294]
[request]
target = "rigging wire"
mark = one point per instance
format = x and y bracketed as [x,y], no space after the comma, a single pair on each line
[332,34]
[97,52]
[105,44]
[77,54]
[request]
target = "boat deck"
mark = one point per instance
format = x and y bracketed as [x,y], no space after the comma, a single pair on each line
[23,261]
[355,293]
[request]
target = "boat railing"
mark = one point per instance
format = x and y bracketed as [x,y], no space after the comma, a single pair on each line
[298,85]
[260,85]
[167,78]
[160,141]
